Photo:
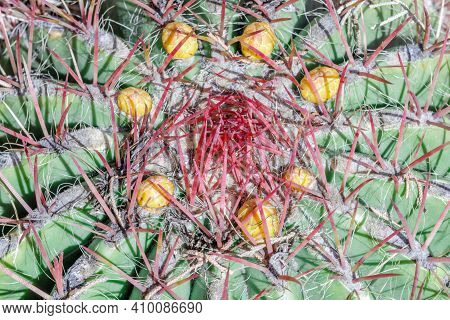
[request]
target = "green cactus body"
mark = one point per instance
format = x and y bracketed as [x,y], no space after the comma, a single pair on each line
[71,224]
[55,169]
[102,282]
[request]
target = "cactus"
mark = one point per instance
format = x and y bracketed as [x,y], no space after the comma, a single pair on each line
[224,150]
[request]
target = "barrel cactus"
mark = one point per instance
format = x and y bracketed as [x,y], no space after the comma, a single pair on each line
[210,149]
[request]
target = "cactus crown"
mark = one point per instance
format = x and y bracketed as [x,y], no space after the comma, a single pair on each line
[224,149]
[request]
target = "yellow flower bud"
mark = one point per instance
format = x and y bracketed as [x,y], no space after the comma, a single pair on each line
[174,33]
[264,41]
[151,196]
[299,176]
[254,224]
[326,81]
[134,101]
[55,34]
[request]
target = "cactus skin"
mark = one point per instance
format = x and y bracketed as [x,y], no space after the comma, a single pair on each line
[354,186]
